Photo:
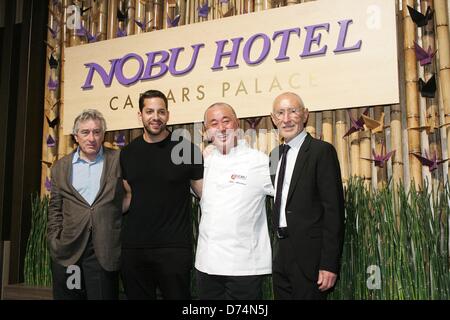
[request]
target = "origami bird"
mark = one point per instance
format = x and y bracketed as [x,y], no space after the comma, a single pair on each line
[53,62]
[357,125]
[173,22]
[122,15]
[425,57]
[375,126]
[52,124]
[203,10]
[121,33]
[428,89]
[119,140]
[50,141]
[53,32]
[83,9]
[52,85]
[142,25]
[380,159]
[253,122]
[48,184]
[420,19]
[431,163]
[83,32]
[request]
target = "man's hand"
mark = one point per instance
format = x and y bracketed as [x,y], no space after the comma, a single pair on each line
[326,280]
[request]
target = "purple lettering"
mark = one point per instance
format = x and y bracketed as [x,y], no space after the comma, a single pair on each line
[151,63]
[106,78]
[174,58]
[342,35]
[232,54]
[310,39]
[119,69]
[285,35]
[249,44]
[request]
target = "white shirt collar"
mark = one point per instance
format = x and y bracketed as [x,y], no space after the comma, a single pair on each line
[297,142]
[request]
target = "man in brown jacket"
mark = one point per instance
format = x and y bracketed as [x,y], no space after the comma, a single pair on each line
[85,215]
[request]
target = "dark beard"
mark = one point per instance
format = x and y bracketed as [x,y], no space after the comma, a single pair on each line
[152,133]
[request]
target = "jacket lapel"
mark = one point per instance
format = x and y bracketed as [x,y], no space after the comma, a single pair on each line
[69,170]
[299,164]
[106,168]
[275,156]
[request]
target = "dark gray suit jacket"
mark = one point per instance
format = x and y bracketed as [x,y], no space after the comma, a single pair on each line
[71,219]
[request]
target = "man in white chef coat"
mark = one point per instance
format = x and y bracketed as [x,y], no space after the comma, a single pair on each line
[233,250]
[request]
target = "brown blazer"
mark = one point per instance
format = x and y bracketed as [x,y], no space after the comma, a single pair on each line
[71,219]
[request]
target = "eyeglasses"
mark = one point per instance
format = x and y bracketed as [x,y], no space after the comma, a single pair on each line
[85,133]
[291,113]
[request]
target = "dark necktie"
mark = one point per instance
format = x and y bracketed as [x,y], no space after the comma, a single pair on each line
[281,173]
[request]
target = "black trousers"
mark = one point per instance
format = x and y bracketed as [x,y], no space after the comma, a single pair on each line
[289,281]
[145,270]
[217,287]
[95,282]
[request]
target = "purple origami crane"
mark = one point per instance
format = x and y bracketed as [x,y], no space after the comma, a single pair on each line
[357,125]
[142,24]
[120,140]
[83,32]
[203,10]
[48,184]
[425,57]
[121,33]
[50,141]
[54,32]
[52,85]
[380,159]
[173,22]
[431,163]
[253,122]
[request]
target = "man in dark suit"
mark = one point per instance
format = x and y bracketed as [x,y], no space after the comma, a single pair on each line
[308,208]
[85,216]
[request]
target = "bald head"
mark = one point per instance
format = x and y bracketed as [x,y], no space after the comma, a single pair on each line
[289,115]
[293,97]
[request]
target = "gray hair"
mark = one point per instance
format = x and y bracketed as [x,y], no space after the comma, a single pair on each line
[88,114]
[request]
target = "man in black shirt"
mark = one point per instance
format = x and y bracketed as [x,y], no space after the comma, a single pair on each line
[157,232]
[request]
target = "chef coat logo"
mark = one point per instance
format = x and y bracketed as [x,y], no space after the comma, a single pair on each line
[238,178]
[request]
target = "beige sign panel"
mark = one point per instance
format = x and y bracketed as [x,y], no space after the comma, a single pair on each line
[335,54]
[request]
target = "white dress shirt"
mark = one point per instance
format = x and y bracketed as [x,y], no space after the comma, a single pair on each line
[295,145]
[233,235]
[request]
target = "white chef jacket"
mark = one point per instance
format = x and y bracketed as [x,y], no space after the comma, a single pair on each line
[233,235]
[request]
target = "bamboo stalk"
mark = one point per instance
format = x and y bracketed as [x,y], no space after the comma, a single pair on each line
[380,141]
[432,113]
[183,5]
[311,124]
[158,7]
[341,144]
[354,147]
[412,94]
[365,152]
[112,19]
[395,115]
[442,31]
[50,110]
[258,5]
[327,126]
